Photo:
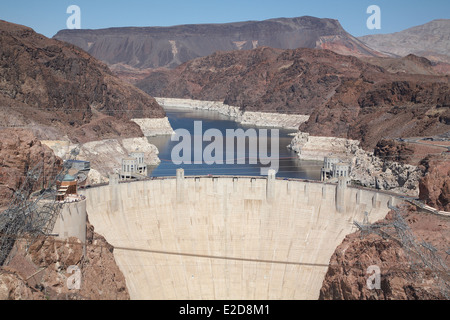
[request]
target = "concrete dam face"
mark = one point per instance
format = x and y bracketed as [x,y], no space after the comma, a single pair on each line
[228,238]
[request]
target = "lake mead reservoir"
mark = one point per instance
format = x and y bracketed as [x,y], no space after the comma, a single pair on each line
[183,118]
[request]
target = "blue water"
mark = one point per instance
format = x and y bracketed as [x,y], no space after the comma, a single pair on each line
[181,118]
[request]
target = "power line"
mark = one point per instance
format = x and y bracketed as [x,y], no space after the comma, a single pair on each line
[213,257]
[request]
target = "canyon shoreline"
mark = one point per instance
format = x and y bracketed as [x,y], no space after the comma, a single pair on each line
[154,126]
[263,119]
[366,168]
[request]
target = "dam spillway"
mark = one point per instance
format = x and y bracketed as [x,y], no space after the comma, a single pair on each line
[228,237]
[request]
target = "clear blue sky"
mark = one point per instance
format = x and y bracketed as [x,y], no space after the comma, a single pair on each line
[49,16]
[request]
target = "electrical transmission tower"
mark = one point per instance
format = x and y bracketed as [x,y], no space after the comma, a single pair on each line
[31,214]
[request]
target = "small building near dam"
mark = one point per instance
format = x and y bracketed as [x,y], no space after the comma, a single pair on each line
[133,167]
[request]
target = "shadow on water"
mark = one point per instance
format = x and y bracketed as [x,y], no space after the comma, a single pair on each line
[181,118]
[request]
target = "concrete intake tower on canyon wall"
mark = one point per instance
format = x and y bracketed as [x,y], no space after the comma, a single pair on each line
[228,237]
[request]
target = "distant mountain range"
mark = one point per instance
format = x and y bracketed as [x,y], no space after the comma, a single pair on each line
[430,40]
[134,52]
[154,47]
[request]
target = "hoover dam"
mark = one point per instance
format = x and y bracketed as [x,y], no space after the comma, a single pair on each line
[228,237]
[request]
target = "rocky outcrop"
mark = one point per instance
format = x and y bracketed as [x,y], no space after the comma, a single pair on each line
[264,119]
[409,64]
[410,251]
[106,155]
[154,126]
[435,185]
[58,90]
[13,287]
[42,272]
[100,266]
[310,147]
[21,151]
[374,172]
[369,169]
[271,119]
[153,47]
[409,246]
[344,96]
[393,151]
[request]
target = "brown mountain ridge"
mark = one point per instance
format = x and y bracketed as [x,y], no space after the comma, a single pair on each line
[344,96]
[153,47]
[60,90]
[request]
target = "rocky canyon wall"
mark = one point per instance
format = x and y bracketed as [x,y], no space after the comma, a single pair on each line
[367,168]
